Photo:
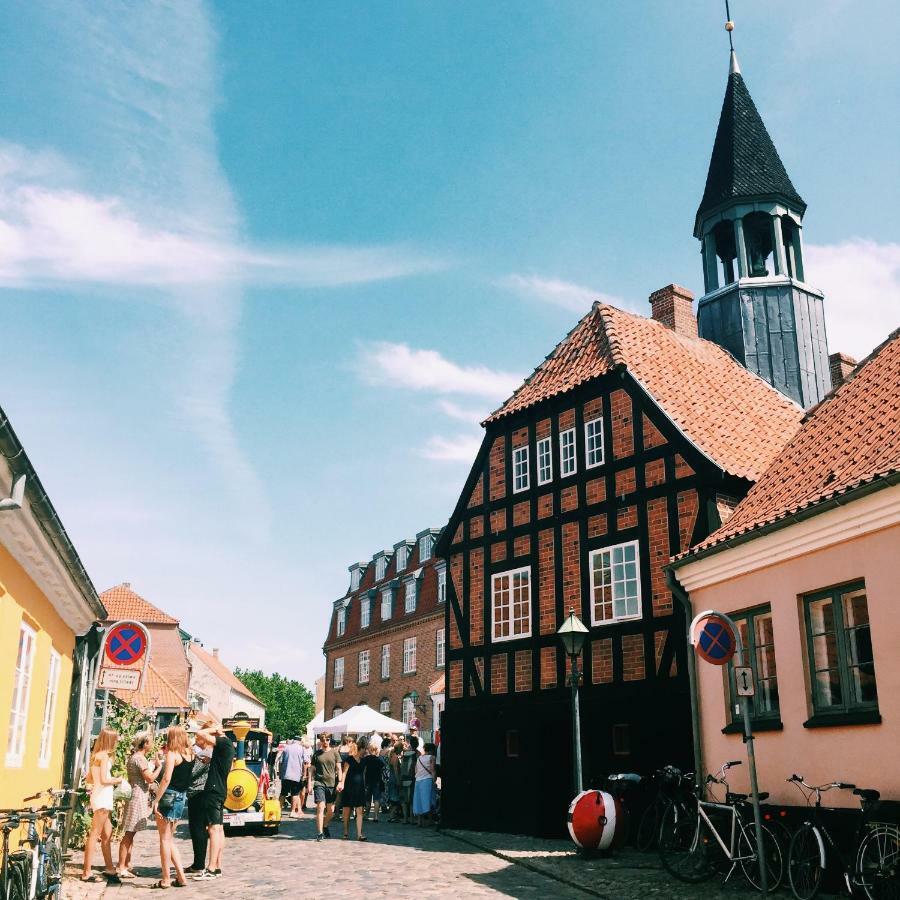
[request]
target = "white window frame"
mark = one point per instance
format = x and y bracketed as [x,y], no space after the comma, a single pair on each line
[46,746]
[409,596]
[341,620]
[336,711]
[384,707]
[593,443]
[409,655]
[440,647]
[385,660]
[545,460]
[338,681]
[442,585]
[18,711]
[365,612]
[380,567]
[610,551]
[521,475]
[363,669]
[387,603]
[402,557]
[355,578]
[568,454]
[425,543]
[510,575]
[408,710]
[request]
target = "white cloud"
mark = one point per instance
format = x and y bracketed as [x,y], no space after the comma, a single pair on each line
[383,363]
[565,294]
[461,413]
[459,448]
[861,282]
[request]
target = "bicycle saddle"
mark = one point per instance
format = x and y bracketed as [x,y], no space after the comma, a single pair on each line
[628,777]
[866,794]
[734,797]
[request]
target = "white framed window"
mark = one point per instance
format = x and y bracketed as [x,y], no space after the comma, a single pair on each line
[385,660]
[593,443]
[49,710]
[339,672]
[424,548]
[568,463]
[336,711]
[341,621]
[401,558]
[18,713]
[363,667]
[380,567]
[511,607]
[544,461]
[385,707]
[615,583]
[440,645]
[385,604]
[355,576]
[365,612]
[520,469]
[409,655]
[442,585]
[409,710]
[410,597]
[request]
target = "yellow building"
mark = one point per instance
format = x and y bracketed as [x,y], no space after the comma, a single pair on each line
[48,639]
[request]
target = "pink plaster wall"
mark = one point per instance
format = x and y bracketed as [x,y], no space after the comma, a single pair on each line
[867,755]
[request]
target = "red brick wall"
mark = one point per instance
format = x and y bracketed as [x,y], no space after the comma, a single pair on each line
[655,472]
[597,525]
[688,507]
[522,545]
[548,667]
[622,414]
[477,496]
[682,469]
[456,576]
[476,527]
[633,657]
[658,527]
[476,596]
[519,437]
[456,679]
[498,674]
[498,521]
[571,550]
[625,482]
[542,429]
[595,490]
[568,498]
[523,670]
[497,467]
[545,506]
[626,518]
[498,551]
[652,435]
[522,513]
[547,582]
[601,661]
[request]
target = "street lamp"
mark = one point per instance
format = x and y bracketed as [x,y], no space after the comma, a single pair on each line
[572,635]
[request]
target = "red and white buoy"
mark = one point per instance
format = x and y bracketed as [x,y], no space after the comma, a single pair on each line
[596,820]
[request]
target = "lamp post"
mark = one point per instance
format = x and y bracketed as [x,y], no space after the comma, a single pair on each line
[572,635]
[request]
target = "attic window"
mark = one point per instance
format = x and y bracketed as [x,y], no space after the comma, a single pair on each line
[354,578]
[425,548]
[380,566]
[341,621]
[401,557]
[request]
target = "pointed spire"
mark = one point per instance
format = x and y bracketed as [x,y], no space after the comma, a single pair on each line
[744,162]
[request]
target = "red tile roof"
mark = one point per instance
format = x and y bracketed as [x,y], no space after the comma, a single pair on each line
[850,439]
[122,602]
[733,416]
[222,672]
[157,693]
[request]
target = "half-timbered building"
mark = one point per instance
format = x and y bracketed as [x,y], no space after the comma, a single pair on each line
[631,441]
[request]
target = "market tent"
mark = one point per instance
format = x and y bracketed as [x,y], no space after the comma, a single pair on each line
[318,719]
[360,719]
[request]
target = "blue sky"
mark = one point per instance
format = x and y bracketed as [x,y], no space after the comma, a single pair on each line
[264,265]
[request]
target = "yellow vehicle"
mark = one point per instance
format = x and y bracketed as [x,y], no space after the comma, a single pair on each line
[247,804]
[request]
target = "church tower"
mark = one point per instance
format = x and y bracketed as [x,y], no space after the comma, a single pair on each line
[757,304]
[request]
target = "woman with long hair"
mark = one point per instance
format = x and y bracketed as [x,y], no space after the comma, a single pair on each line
[177,766]
[141,774]
[102,786]
[353,785]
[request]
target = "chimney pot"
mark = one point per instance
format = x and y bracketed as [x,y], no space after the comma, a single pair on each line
[216,652]
[673,306]
[841,365]
[126,584]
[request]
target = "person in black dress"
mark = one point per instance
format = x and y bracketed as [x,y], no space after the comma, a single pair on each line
[353,787]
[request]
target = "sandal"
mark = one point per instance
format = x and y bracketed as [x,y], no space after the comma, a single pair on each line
[160,886]
[362,838]
[345,837]
[92,879]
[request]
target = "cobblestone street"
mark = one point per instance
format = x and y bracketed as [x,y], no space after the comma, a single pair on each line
[400,859]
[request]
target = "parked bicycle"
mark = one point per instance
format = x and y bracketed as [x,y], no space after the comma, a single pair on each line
[12,883]
[870,864]
[697,841]
[673,786]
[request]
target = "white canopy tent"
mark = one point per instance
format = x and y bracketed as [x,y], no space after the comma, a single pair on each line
[360,719]
[318,719]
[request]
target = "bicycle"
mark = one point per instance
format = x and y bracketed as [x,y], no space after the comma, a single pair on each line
[12,883]
[673,786]
[873,864]
[42,866]
[693,849]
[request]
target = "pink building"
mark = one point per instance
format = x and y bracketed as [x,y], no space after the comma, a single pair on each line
[809,566]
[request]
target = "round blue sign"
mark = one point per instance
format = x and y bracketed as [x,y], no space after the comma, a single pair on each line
[126,644]
[716,643]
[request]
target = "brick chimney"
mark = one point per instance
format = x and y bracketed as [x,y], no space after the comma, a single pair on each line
[673,305]
[841,366]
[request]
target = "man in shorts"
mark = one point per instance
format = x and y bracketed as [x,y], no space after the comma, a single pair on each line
[291,774]
[211,735]
[325,773]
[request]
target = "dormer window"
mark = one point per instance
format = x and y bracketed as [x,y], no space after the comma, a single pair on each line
[442,585]
[402,553]
[380,567]
[341,621]
[355,577]
[410,598]
[386,604]
[425,547]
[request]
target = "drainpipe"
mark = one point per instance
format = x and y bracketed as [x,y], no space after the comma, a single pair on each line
[679,592]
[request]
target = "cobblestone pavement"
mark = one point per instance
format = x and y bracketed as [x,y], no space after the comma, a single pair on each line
[402,858]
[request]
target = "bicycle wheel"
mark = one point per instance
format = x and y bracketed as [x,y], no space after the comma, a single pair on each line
[52,870]
[772,858]
[648,828]
[806,862]
[15,884]
[684,845]
[878,863]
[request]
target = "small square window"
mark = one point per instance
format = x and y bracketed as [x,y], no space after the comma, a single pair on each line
[520,469]
[568,462]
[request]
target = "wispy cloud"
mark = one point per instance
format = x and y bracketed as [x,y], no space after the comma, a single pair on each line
[466,414]
[384,363]
[556,291]
[459,448]
[861,282]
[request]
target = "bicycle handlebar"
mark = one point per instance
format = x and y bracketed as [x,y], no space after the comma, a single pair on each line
[734,762]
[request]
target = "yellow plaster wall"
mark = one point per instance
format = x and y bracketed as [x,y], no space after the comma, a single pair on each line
[20,597]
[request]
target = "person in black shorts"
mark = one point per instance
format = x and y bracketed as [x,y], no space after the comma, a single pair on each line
[211,735]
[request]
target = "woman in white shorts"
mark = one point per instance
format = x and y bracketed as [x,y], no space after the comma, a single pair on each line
[102,786]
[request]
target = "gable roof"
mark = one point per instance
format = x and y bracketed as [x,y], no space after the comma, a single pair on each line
[157,693]
[744,161]
[851,439]
[222,672]
[122,602]
[731,415]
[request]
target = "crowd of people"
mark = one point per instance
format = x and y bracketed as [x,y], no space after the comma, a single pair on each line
[189,773]
[359,779]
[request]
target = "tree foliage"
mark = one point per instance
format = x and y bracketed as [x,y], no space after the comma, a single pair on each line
[289,705]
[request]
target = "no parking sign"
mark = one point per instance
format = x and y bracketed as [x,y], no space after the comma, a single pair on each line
[126,652]
[716,642]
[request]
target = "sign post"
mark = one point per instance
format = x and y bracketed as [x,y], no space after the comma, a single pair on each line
[718,641]
[126,652]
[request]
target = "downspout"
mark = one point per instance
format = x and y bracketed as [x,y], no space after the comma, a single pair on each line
[685,600]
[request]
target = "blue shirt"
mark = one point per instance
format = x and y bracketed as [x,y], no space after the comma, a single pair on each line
[293,759]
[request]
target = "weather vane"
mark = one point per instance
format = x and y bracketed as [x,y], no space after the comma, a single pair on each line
[729,26]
